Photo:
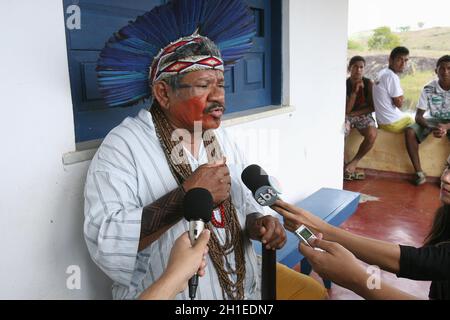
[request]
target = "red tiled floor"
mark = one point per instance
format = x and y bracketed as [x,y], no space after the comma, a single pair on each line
[402,215]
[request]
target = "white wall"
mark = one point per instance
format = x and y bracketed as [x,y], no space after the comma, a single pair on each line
[311,139]
[41,202]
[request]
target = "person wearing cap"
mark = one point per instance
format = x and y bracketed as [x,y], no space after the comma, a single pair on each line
[338,260]
[432,116]
[137,180]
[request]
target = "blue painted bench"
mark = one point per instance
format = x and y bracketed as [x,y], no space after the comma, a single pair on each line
[332,205]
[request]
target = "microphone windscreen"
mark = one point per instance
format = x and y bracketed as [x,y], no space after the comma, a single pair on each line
[198,205]
[254,177]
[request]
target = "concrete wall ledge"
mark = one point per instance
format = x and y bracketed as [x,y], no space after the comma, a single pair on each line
[389,154]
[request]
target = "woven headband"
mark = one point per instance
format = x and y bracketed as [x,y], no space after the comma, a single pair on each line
[161,69]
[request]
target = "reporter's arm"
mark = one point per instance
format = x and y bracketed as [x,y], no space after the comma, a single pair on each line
[165,288]
[339,265]
[383,254]
[184,261]
[384,292]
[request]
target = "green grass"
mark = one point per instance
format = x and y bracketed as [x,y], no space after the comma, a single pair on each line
[412,86]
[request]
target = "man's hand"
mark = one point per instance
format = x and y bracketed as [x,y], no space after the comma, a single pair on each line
[398,101]
[269,231]
[335,263]
[358,85]
[213,177]
[440,130]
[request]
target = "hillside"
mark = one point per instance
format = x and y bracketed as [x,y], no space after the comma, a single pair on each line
[428,39]
[432,42]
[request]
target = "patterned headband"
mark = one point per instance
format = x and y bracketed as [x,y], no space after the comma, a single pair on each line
[161,69]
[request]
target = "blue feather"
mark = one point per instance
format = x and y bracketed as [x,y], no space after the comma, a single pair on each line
[124,63]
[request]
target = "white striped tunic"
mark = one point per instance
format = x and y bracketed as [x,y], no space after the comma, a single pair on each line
[129,172]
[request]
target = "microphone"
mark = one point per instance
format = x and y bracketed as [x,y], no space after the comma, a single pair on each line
[197,205]
[265,188]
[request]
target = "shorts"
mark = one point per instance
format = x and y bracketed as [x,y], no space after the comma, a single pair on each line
[422,133]
[398,126]
[359,122]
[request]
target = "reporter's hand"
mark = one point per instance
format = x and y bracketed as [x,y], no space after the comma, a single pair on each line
[271,232]
[186,260]
[335,263]
[294,217]
[213,177]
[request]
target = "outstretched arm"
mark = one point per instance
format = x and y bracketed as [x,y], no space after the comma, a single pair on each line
[375,252]
[339,265]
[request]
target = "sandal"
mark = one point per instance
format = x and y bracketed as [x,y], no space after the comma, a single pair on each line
[348,176]
[359,175]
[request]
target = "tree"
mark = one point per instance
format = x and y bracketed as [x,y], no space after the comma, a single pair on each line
[420,24]
[404,29]
[383,38]
[354,45]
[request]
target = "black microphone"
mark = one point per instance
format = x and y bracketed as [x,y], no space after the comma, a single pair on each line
[265,188]
[198,206]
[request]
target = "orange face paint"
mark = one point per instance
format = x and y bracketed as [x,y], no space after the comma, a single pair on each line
[193,109]
[202,92]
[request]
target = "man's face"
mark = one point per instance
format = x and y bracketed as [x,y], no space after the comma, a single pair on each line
[357,70]
[201,97]
[399,63]
[443,72]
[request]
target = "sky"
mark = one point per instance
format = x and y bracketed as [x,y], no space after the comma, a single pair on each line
[369,14]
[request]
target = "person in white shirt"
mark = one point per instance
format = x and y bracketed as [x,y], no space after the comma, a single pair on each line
[388,94]
[137,180]
[432,116]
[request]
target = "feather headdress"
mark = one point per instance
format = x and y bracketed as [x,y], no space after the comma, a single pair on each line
[126,67]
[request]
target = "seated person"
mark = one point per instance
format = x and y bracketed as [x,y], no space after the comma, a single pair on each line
[358,112]
[432,116]
[388,94]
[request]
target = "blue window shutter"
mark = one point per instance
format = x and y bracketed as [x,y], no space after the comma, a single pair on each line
[249,84]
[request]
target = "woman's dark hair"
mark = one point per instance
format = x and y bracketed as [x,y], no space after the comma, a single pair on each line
[356,59]
[440,230]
